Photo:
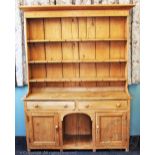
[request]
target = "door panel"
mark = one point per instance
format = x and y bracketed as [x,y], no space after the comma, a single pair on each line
[43,129]
[111,128]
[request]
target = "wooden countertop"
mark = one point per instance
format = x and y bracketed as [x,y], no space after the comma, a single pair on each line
[76,95]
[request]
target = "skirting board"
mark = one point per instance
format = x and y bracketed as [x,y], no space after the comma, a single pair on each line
[20,146]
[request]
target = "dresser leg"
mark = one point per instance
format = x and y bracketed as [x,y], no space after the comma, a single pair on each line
[61,150]
[127,150]
[28,150]
[94,150]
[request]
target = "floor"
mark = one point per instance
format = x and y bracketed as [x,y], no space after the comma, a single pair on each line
[20,146]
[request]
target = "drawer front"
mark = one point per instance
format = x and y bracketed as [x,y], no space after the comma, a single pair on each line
[102,105]
[54,105]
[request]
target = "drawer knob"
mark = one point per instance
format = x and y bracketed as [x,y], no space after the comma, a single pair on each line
[87,106]
[36,106]
[97,126]
[118,105]
[65,106]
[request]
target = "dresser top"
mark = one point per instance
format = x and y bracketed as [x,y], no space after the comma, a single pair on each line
[77,95]
[77,7]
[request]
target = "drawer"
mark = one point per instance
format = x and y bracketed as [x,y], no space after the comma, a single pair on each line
[101,105]
[55,105]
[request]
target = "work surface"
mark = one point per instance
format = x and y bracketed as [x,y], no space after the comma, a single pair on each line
[77,95]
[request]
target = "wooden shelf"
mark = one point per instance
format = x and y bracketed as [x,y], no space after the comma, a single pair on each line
[76,40]
[88,79]
[76,61]
[77,140]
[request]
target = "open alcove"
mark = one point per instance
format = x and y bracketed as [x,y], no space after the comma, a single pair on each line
[77,130]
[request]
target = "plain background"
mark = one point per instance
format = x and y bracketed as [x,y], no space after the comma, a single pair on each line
[7,77]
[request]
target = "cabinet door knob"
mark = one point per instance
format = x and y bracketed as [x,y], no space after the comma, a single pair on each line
[56,127]
[118,105]
[97,129]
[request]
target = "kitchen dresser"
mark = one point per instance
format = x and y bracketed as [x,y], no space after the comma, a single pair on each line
[77,61]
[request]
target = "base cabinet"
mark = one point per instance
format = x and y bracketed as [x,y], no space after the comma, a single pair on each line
[42,129]
[77,128]
[111,129]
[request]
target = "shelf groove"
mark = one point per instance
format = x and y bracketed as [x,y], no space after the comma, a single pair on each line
[113,79]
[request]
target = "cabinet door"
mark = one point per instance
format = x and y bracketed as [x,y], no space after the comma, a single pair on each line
[111,129]
[43,129]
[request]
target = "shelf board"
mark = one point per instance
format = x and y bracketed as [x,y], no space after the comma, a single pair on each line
[88,79]
[76,61]
[77,140]
[76,40]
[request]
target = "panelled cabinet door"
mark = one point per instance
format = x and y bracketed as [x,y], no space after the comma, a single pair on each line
[43,129]
[111,129]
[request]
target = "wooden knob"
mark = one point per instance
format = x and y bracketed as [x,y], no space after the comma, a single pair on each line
[87,106]
[97,127]
[118,105]
[56,126]
[65,106]
[37,106]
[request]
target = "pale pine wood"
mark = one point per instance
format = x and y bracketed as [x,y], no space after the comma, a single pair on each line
[41,128]
[77,77]
[52,29]
[50,105]
[53,51]
[76,61]
[102,105]
[102,48]
[117,27]
[102,27]
[77,7]
[76,13]
[84,39]
[118,125]
[78,95]
[39,55]
[35,26]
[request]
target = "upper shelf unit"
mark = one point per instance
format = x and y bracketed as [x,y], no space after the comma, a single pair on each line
[75,29]
[82,45]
